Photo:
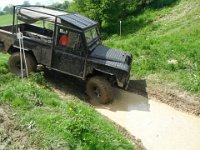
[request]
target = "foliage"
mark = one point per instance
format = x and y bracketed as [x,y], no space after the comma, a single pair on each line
[64,5]
[2,13]
[106,12]
[163,3]
[56,123]
[164,42]
[26,3]
[109,13]
[38,3]
[8,9]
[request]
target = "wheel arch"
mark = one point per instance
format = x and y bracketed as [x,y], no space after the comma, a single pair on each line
[107,75]
[13,49]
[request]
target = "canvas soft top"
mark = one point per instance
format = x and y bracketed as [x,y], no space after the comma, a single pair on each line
[31,14]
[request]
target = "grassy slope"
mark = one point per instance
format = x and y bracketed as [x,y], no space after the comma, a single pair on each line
[54,122]
[51,121]
[5,19]
[157,37]
[154,38]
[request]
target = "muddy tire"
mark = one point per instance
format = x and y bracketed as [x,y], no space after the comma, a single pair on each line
[100,90]
[14,64]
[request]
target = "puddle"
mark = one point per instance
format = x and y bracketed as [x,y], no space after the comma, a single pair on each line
[159,126]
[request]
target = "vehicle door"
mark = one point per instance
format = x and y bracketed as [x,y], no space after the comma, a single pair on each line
[68,54]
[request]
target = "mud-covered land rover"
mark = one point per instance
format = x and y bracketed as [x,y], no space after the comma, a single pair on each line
[72,46]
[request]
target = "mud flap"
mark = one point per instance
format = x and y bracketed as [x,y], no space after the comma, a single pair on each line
[127,83]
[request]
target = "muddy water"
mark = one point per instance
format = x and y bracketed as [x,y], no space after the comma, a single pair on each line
[159,126]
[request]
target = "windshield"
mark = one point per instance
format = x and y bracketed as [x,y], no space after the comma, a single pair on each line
[91,34]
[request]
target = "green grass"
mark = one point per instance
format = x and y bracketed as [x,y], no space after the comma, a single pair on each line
[53,122]
[6,20]
[3,63]
[157,36]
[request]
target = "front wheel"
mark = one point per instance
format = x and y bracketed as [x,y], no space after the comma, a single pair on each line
[15,64]
[99,89]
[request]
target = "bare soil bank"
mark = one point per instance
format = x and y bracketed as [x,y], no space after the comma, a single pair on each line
[12,136]
[179,99]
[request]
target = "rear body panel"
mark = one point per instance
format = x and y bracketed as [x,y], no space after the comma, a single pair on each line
[6,38]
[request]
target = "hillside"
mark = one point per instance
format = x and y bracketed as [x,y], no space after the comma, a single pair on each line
[164,44]
[5,19]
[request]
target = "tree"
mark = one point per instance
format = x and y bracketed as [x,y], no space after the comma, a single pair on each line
[107,12]
[8,9]
[2,13]
[38,3]
[90,8]
[64,5]
[27,3]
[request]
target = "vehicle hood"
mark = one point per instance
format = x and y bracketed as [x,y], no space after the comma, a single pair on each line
[106,53]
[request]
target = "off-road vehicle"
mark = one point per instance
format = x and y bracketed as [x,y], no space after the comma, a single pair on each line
[68,43]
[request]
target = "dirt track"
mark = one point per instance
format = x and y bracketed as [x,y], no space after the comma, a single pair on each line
[158,125]
[145,113]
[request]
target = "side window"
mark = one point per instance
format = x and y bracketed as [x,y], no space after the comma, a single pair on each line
[69,39]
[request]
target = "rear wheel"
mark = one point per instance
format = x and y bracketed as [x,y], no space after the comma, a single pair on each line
[15,64]
[100,90]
